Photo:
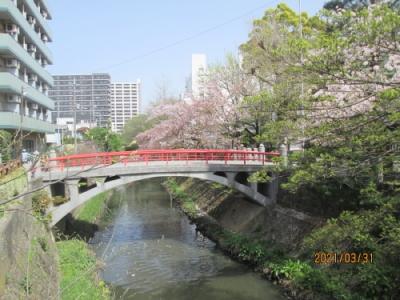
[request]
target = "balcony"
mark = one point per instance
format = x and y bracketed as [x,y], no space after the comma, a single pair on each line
[34,11]
[43,5]
[11,120]
[9,46]
[13,85]
[9,11]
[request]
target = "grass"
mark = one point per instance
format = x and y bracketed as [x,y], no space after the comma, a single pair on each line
[78,268]
[93,209]
[78,264]
[187,203]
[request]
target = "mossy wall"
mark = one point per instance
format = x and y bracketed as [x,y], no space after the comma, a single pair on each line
[13,184]
[28,257]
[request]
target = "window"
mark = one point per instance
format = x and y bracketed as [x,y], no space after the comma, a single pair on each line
[29,145]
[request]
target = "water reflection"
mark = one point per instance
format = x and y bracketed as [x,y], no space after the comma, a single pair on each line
[151,251]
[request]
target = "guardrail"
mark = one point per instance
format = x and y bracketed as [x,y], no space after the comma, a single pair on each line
[146,156]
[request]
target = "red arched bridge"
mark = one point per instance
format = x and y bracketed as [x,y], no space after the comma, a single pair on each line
[80,177]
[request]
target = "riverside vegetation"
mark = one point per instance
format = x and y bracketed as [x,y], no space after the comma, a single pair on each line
[293,269]
[78,268]
[78,264]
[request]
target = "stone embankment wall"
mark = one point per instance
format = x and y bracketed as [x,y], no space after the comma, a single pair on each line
[28,256]
[278,224]
[13,184]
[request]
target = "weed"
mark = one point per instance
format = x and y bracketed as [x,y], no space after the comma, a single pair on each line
[25,285]
[40,202]
[43,243]
[58,200]
[78,272]
[93,208]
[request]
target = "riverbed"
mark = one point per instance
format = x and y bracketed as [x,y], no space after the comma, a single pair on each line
[151,251]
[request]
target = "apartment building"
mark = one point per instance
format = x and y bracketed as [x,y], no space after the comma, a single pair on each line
[86,98]
[125,103]
[24,82]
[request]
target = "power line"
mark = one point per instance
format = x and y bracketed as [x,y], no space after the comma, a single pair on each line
[181,41]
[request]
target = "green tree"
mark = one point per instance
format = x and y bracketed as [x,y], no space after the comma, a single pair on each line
[353,133]
[275,48]
[357,4]
[5,145]
[105,139]
[135,126]
[354,123]
[349,115]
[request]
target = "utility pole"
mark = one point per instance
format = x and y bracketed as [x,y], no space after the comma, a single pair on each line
[302,79]
[20,132]
[301,54]
[74,103]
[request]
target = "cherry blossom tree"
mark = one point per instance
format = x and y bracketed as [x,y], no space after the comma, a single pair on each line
[210,122]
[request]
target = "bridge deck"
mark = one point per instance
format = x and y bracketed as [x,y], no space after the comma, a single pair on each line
[132,168]
[154,161]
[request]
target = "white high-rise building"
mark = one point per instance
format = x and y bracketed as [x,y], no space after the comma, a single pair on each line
[125,103]
[199,67]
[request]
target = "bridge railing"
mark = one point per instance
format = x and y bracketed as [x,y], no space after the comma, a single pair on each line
[146,156]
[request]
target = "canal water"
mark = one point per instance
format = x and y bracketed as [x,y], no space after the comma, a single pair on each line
[151,251]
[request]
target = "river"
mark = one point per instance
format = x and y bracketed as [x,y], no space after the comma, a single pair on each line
[151,251]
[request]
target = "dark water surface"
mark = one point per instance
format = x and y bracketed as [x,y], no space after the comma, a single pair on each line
[151,251]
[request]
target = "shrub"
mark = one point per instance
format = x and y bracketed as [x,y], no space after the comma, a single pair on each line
[58,200]
[40,202]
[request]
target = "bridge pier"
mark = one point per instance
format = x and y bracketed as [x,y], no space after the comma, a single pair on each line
[273,187]
[254,186]
[72,189]
[231,177]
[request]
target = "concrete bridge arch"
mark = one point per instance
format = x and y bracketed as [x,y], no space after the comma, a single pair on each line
[229,179]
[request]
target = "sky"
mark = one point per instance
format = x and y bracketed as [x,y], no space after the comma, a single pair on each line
[151,40]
